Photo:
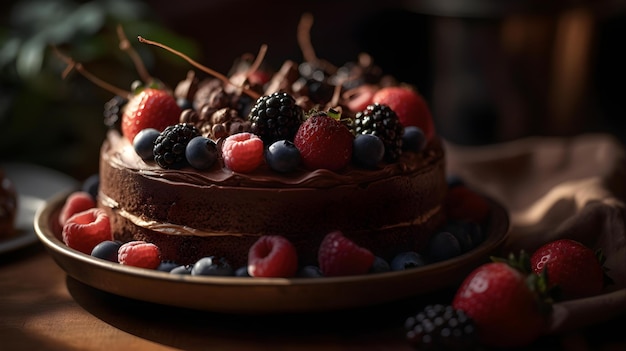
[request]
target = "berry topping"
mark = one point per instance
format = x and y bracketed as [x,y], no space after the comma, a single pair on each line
[76,202]
[443,246]
[91,185]
[201,152]
[167,266]
[86,229]
[368,150]
[213,266]
[139,254]
[380,265]
[275,117]
[143,143]
[170,145]
[441,327]
[463,203]
[283,156]
[382,121]
[272,256]
[406,260]
[339,256]
[409,105]
[505,304]
[107,250]
[242,152]
[150,108]
[413,139]
[571,266]
[324,142]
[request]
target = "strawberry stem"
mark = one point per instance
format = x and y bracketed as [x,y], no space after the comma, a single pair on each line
[73,65]
[207,70]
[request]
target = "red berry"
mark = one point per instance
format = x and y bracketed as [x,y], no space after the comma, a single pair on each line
[84,230]
[571,266]
[463,203]
[339,256]
[77,201]
[505,310]
[151,108]
[324,143]
[361,97]
[409,105]
[139,254]
[272,256]
[242,152]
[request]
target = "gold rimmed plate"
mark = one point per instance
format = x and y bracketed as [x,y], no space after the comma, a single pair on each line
[263,295]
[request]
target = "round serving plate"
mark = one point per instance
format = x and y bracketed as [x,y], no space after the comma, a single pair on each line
[263,295]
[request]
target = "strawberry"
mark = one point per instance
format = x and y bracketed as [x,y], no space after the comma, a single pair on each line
[463,203]
[409,105]
[571,266]
[77,201]
[272,256]
[84,230]
[506,311]
[340,256]
[359,98]
[242,152]
[324,143]
[150,108]
[139,254]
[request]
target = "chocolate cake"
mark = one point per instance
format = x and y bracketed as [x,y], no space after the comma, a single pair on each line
[190,214]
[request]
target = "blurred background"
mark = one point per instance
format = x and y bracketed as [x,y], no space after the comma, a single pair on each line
[492,71]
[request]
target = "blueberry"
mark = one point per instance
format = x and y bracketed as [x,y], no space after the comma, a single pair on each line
[242,272]
[380,265]
[413,139]
[184,104]
[167,266]
[443,245]
[461,231]
[143,143]
[454,180]
[212,265]
[182,270]
[106,250]
[406,260]
[201,152]
[309,271]
[283,156]
[91,185]
[368,150]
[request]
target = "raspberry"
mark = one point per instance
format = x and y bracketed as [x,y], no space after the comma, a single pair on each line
[462,203]
[86,229]
[339,256]
[242,152]
[139,254]
[77,201]
[272,256]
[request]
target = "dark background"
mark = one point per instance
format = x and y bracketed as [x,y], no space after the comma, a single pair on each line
[492,71]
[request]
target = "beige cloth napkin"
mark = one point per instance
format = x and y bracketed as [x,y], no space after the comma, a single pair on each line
[558,188]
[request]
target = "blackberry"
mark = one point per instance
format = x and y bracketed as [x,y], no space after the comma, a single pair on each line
[112,110]
[441,327]
[383,122]
[169,146]
[276,117]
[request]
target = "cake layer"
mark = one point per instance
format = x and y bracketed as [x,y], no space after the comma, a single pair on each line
[190,214]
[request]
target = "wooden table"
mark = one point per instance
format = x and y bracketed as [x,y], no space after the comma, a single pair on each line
[41,308]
